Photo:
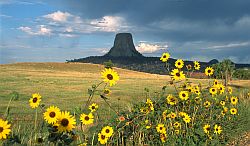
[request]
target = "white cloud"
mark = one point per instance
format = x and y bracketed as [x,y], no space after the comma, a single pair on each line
[243,21]
[40,30]
[144,47]
[230,45]
[58,16]
[108,23]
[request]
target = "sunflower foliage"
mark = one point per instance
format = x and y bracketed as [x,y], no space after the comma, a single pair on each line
[183,113]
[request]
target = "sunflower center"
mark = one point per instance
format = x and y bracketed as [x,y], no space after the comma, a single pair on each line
[52,114]
[86,118]
[110,77]
[1,129]
[107,131]
[102,136]
[213,90]
[172,100]
[178,74]
[208,128]
[160,128]
[184,95]
[164,56]
[233,100]
[34,100]
[209,71]
[93,107]
[106,91]
[179,63]
[65,122]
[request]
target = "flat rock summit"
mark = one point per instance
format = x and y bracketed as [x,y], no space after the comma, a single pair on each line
[123,47]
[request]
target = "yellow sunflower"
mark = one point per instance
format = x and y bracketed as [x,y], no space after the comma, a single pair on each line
[217,129]
[216,83]
[234,100]
[102,138]
[209,71]
[183,95]
[190,89]
[106,91]
[207,104]
[197,65]
[222,103]
[221,88]
[164,114]
[177,75]
[161,128]
[187,118]
[230,90]
[35,100]
[206,128]
[51,114]
[65,122]
[233,111]
[179,63]
[165,57]
[87,119]
[213,91]
[93,107]
[177,125]
[172,100]
[171,115]
[189,67]
[110,76]
[107,131]
[4,129]
[163,137]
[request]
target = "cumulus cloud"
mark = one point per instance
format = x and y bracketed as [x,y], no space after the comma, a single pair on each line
[144,47]
[59,16]
[41,30]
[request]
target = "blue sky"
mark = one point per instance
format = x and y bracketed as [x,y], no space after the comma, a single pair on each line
[54,31]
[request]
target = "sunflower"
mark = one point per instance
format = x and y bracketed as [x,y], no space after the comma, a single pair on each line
[177,125]
[206,128]
[65,122]
[234,100]
[209,71]
[213,91]
[163,137]
[107,131]
[164,114]
[217,129]
[187,118]
[4,129]
[102,138]
[179,63]
[207,104]
[177,131]
[222,103]
[93,107]
[183,95]
[221,88]
[160,128]
[197,92]
[197,65]
[172,115]
[233,111]
[165,57]
[230,90]
[190,89]
[150,104]
[182,114]
[110,76]
[177,75]
[172,100]
[106,91]
[35,100]
[189,67]
[225,109]
[51,114]
[87,119]
[197,100]
[216,83]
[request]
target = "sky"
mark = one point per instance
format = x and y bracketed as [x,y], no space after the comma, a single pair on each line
[60,30]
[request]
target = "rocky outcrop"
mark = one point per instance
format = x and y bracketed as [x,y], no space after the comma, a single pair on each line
[123,47]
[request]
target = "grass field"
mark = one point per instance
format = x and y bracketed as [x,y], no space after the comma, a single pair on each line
[66,86]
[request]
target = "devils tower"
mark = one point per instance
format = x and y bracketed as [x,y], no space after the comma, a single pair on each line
[123,47]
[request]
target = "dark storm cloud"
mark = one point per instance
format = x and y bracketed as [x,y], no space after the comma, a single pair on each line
[175,20]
